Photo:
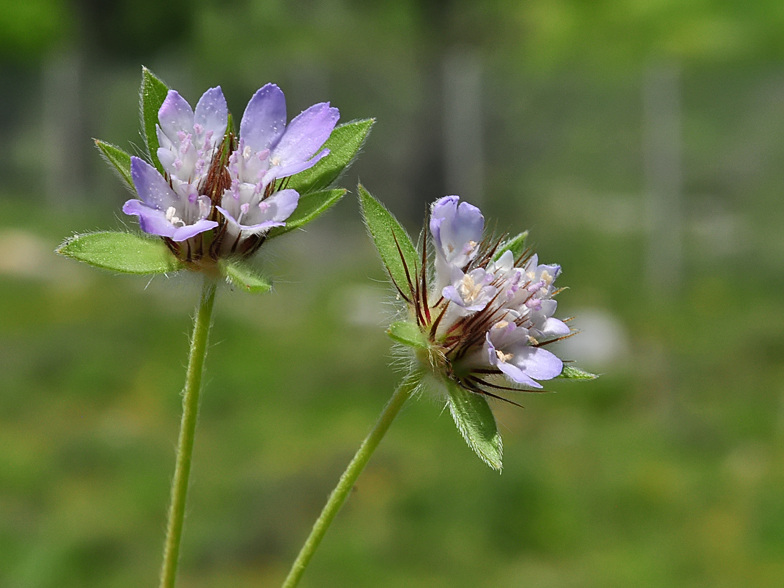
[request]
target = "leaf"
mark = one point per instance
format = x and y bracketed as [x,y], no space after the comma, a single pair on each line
[344,143]
[574,373]
[118,159]
[388,235]
[407,333]
[238,273]
[516,245]
[152,94]
[310,207]
[126,253]
[476,423]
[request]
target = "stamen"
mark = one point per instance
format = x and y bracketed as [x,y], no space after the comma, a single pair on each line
[469,289]
[171,216]
[243,211]
[503,357]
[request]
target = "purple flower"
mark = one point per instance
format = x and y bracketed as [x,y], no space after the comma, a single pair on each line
[457,232]
[174,208]
[508,348]
[188,140]
[164,212]
[470,292]
[486,315]
[268,151]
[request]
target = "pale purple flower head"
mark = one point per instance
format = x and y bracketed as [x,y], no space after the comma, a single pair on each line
[268,151]
[174,208]
[211,180]
[487,313]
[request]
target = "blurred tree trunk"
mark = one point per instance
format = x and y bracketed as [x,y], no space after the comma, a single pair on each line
[63,136]
[663,158]
[463,124]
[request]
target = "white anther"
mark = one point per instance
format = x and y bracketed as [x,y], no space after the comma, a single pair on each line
[503,357]
[469,289]
[171,216]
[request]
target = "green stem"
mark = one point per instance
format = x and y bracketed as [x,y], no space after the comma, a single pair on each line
[190,411]
[346,483]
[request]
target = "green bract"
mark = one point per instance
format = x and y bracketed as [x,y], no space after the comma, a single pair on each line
[516,245]
[118,159]
[476,423]
[574,373]
[407,333]
[127,253]
[239,273]
[151,96]
[310,207]
[392,242]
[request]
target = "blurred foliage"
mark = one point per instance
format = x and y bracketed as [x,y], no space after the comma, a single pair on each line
[31,28]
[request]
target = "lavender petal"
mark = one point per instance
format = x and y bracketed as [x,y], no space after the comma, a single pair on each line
[308,131]
[188,231]
[264,120]
[517,375]
[284,171]
[212,114]
[555,328]
[175,115]
[272,212]
[151,220]
[151,186]
[537,362]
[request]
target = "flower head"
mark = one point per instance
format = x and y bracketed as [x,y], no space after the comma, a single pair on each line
[486,311]
[480,315]
[218,194]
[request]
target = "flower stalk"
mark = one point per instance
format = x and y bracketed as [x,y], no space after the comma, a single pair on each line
[190,410]
[349,477]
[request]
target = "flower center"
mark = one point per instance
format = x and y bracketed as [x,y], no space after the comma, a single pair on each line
[469,289]
[171,216]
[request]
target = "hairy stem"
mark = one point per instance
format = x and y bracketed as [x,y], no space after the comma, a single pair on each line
[190,410]
[349,477]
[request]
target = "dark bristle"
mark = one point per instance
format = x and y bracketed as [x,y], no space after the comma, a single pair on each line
[523,258]
[511,389]
[412,298]
[434,326]
[473,387]
[423,277]
[543,343]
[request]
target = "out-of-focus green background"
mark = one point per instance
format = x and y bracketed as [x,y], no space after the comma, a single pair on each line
[642,142]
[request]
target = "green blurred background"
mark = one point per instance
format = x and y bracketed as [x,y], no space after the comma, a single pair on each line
[640,141]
